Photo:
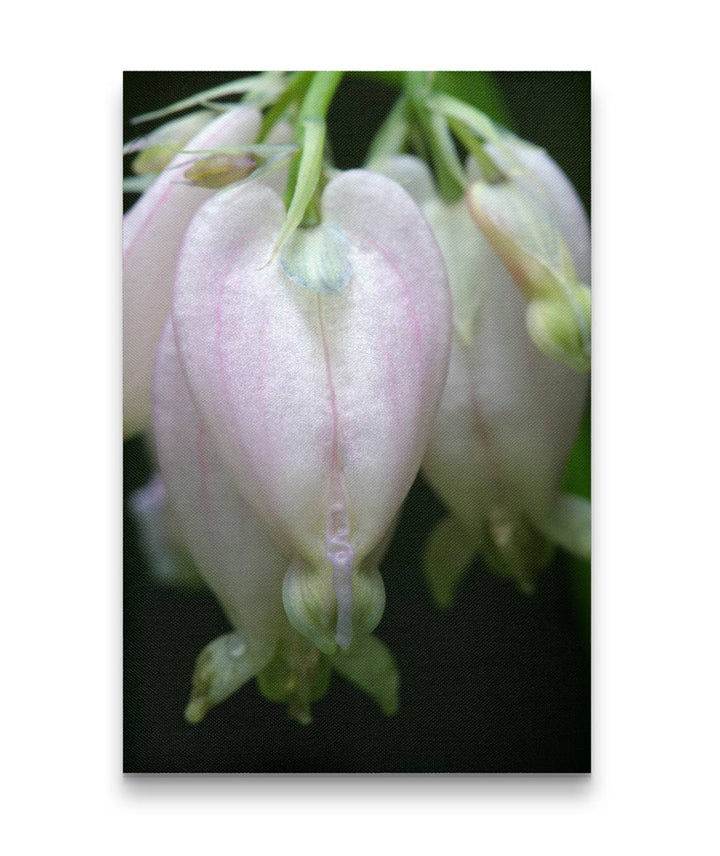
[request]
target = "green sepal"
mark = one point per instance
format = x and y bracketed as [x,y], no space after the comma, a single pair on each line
[223,167]
[216,171]
[369,665]
[318,258]
[449,553]
[310,605]
[221,668]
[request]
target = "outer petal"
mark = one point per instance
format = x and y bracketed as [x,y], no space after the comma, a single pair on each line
[152,234]
[564,200]
[409,172]
[232,550]
[559,191]
[464,256]
[321,405]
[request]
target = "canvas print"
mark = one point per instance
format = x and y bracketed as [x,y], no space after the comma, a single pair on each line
[356,362]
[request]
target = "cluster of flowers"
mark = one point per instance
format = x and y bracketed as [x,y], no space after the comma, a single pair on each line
[295,376]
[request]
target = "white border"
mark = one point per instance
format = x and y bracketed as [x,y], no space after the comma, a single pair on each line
[655,436]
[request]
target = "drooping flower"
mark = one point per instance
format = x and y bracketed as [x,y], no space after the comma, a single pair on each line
[317,374]
[153,230]
[509,412]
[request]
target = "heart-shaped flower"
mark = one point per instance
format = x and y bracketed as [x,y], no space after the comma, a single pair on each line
[317,373]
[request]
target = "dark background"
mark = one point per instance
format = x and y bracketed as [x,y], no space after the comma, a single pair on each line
[498,683]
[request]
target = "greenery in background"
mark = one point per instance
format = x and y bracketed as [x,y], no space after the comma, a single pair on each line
[474,87]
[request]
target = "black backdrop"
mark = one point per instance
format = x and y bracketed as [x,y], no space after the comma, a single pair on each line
[499,682]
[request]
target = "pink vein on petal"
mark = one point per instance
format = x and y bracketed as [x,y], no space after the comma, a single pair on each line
[415,327]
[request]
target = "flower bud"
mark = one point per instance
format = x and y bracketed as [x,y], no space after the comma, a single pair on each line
[159,148]
[218,171]
[521,219]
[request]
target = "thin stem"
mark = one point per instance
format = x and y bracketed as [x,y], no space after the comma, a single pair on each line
[417,87]
[490,170]
[322,89]
[294,91]
[314,108]
[390,138]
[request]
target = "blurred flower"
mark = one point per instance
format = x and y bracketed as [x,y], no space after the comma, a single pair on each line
[509,412]
[160,537]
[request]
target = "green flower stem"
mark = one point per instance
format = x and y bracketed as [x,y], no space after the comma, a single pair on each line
[392,135]
[417,90]
[313,110]
[296,89]
[489,169]
[322,89]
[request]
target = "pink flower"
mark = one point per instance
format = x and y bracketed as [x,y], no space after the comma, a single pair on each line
[320,405]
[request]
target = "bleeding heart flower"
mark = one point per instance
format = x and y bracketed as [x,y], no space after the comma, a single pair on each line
[316,374]
[509,413]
